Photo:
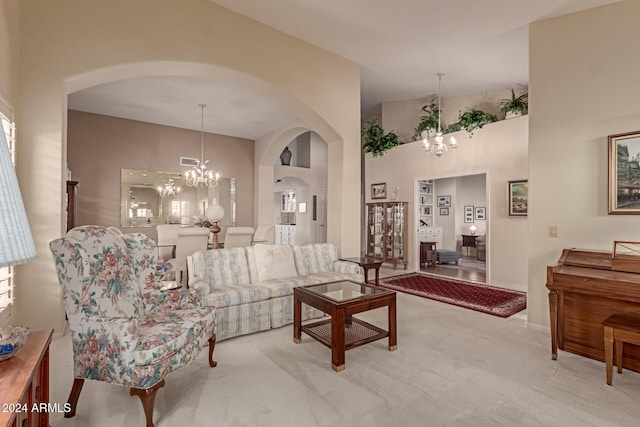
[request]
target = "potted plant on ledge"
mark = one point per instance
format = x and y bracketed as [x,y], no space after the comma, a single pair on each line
[376,141]
[428,122]
[516,106]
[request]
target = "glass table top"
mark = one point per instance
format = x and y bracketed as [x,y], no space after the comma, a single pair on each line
[344,290]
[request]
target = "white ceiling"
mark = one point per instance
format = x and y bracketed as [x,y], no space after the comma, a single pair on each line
[400,45]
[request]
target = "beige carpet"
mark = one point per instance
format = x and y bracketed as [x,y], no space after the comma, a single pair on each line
[453,367]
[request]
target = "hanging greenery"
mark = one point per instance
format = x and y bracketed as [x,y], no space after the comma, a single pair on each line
[472,120]
[376,141]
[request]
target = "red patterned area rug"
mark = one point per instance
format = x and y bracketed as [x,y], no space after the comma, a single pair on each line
[486,299]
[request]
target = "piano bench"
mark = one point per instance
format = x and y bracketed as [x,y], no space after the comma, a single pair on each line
[618,329]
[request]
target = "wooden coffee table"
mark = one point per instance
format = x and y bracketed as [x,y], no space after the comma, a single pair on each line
[341,300]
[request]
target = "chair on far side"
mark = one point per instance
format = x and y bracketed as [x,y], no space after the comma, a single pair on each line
[238,237]
[481,247]
[190,240]
[263,234]
[167,238]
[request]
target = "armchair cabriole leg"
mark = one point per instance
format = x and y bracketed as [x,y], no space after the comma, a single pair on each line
[73,396]
[212,344]
[148,397]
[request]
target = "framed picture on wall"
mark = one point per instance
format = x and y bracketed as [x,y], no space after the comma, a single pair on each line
[444,201]
[481,213]
[624,180]
[468,214]
[379,191]
[444,211]
[518,198]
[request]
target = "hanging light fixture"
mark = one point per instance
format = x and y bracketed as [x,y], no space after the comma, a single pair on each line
[170,189]
[437,146]
[199,176]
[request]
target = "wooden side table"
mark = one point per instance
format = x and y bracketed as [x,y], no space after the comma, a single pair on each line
[469,241]
[24,382]
[428,253]
[366,263]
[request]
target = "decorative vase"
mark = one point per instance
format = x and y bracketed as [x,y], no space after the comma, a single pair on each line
[285,157]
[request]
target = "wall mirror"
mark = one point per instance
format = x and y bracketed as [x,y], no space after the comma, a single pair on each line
[147,199]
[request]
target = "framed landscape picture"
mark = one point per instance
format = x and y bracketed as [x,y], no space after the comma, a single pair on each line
[624,174]
[468,214]
[379,191]
[481,213]
[518,198]
[444,211]
[444,201]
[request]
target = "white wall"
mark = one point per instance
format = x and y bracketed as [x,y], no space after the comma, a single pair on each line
[499,150]
[445,187]
[471,191]
[584,87]
[69,45]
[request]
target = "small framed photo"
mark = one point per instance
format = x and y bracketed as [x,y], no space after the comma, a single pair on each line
[444,201]
[624,182]
[481,213]
[444,211]
[518,198]
[468,214]
[379,191]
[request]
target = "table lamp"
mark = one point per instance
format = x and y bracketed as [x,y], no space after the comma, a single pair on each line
[473,229]
[214,213]
[16,242]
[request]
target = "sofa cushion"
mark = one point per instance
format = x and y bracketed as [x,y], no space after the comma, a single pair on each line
[314,258]
[329,276]
[236,295]
[274,262]
[221,267]
[284,287]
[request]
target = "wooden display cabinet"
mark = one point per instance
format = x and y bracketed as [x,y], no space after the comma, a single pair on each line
[387,232]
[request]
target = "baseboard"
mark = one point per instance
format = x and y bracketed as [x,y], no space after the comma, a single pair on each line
[537,327]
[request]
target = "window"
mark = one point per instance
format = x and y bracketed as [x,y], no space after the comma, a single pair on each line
[6,274]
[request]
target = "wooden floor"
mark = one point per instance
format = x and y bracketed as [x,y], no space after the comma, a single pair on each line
[470,274]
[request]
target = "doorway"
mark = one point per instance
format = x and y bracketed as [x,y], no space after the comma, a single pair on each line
[451,213]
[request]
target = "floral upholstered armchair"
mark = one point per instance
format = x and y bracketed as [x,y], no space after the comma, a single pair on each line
[124,330]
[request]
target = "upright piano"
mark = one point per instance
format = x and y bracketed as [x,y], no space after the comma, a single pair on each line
[586,287]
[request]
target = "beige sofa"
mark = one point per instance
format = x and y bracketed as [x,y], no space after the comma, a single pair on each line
[252,287]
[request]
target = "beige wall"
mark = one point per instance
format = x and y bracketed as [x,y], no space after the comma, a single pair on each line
[69,45]
[499,150]
[9,49]
[99,146]
[584,87]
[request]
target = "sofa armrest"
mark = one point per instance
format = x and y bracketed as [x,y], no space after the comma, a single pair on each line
[200,285]
[346,267]
[104,348]
[175,299]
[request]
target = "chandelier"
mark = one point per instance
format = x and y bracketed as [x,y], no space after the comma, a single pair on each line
[169,189]
[199,176]
[437,145]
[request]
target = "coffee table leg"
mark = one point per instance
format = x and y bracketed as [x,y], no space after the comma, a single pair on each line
[393,343]
[297,320]
[366,274]
[337,340]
